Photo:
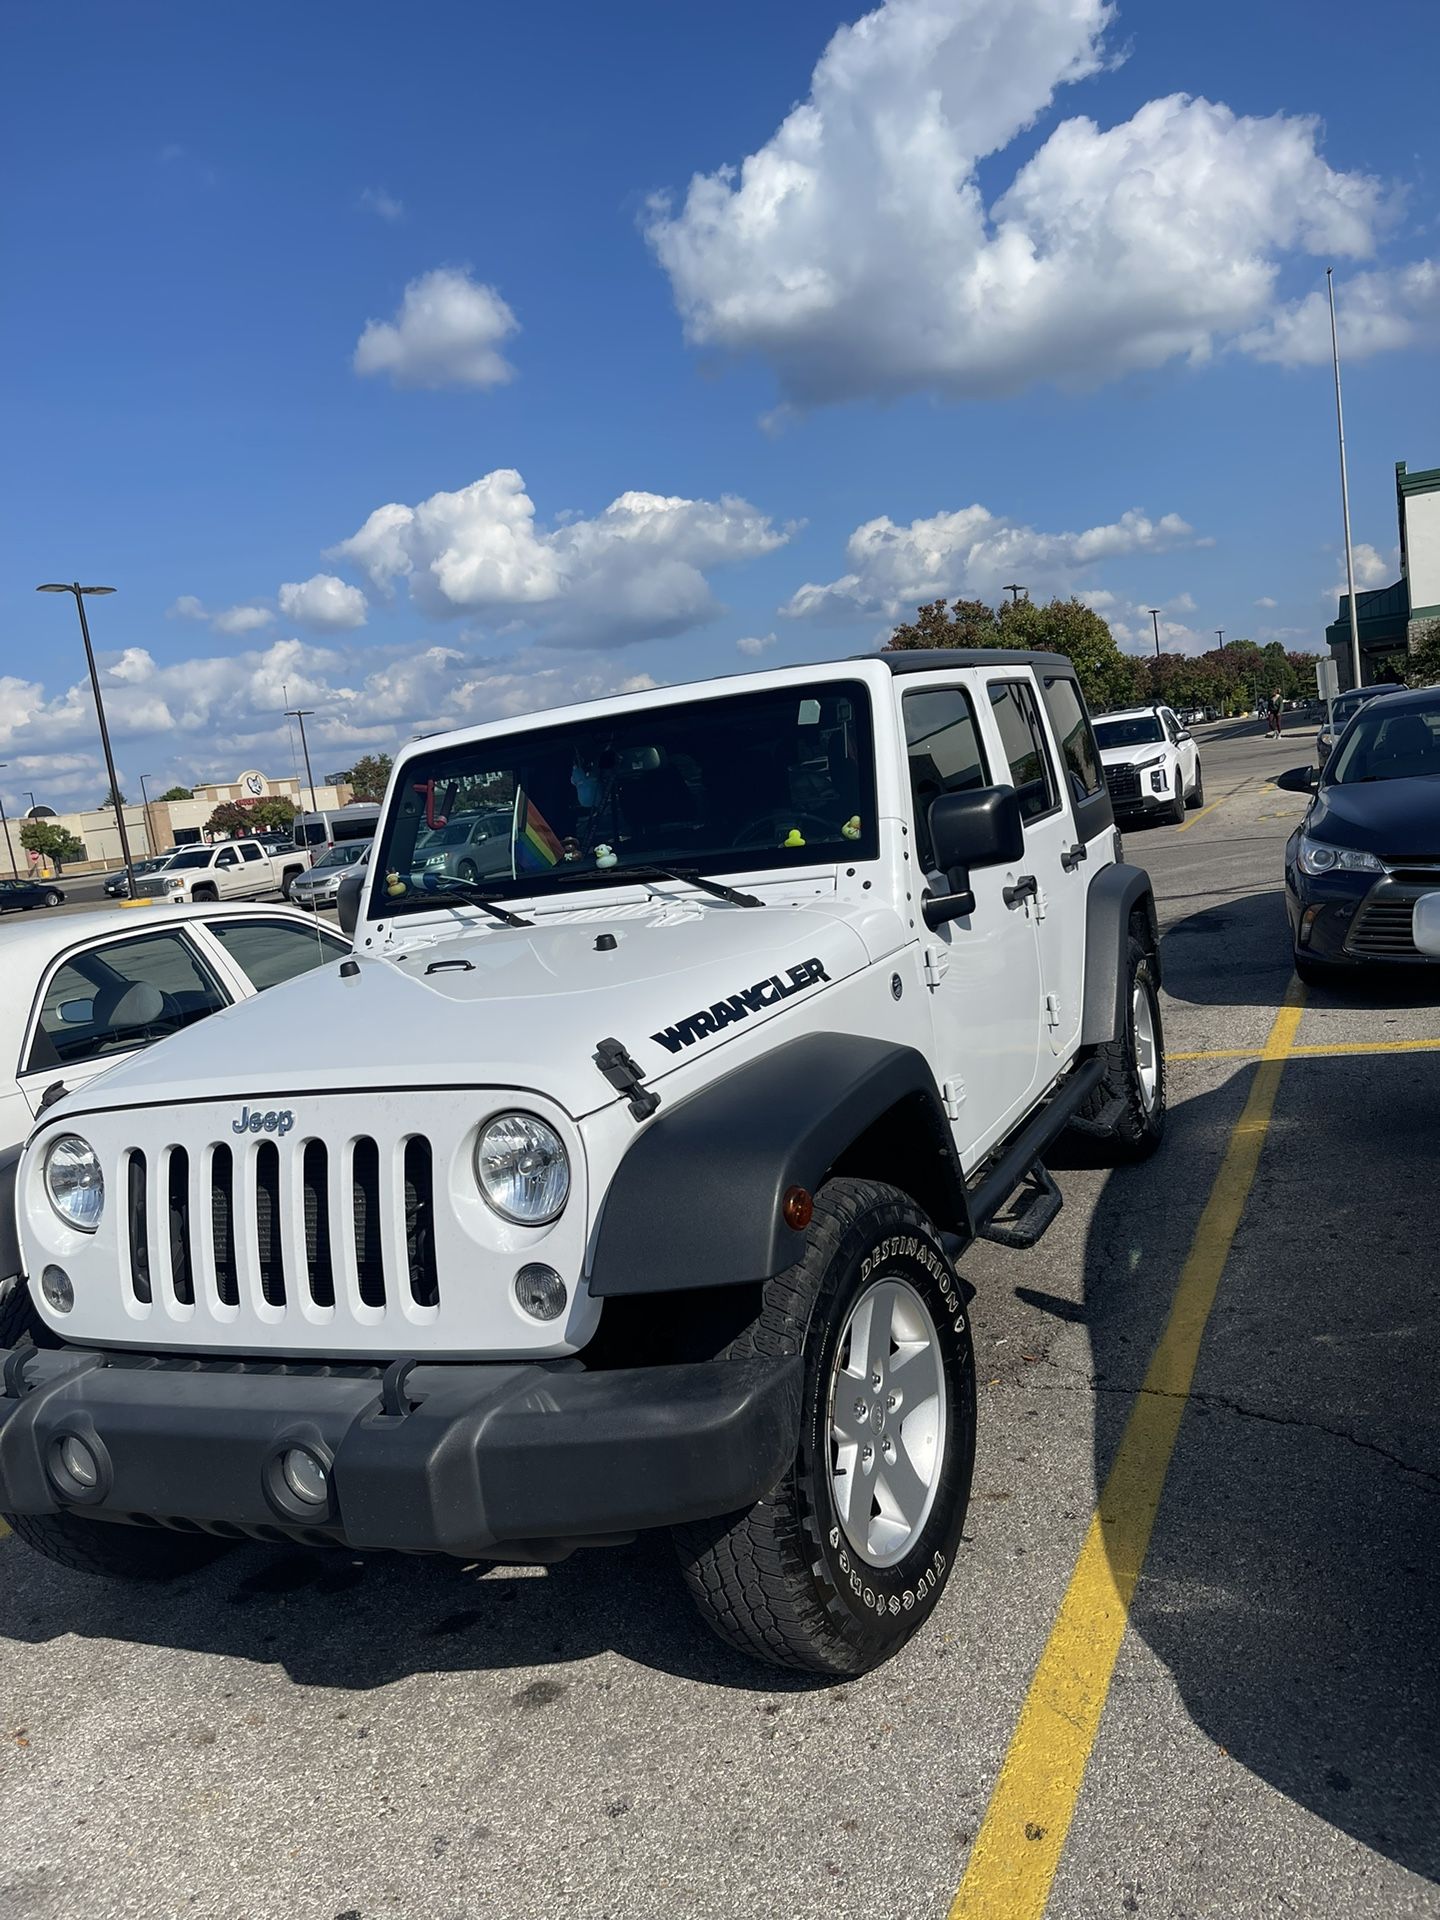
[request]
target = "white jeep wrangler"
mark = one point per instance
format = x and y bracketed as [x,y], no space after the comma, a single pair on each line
[621,1188]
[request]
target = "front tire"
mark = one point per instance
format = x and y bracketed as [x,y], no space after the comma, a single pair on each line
[54,899]
[1197,792]
[1134,1089]
[836,1568]
[1175,812]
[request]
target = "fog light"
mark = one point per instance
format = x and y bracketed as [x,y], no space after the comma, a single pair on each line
[307,1476]
[56,1287]
[541,1292]
[74,1466]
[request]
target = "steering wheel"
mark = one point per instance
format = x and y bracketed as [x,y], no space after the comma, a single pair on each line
[765,826]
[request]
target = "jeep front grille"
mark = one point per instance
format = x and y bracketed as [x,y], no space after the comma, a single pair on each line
[284,1227]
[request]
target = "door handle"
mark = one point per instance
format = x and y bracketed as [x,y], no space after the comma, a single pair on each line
[1070,860]
[1025,888]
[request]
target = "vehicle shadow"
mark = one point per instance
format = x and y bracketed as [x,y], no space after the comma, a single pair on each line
[1290,1584]
[332,1618]
[1237,953]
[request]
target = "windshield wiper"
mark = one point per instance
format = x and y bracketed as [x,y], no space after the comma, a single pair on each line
[461,889]
[687,876]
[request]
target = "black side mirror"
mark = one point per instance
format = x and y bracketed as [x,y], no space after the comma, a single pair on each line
[347,901]
[980,828]
[1298,780]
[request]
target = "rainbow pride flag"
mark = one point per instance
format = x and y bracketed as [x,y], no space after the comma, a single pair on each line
[536,847]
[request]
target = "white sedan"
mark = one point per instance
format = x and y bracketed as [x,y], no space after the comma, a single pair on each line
[80,992]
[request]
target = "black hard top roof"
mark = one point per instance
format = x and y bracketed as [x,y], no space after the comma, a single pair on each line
[939,659]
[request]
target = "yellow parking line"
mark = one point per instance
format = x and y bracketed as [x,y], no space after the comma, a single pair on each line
[1017,1851]
[1313,1050]
[1195,818]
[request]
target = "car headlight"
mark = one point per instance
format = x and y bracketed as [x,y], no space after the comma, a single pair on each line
[1150,760]
[1316,857]
[523,1169]
[176,882]
[74,1183]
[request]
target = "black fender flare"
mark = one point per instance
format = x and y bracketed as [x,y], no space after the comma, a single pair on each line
[696,1202]
[9,1231]
[1116,893]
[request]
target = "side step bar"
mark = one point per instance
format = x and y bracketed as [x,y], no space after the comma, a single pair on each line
[1020,1158]
[1029,1211]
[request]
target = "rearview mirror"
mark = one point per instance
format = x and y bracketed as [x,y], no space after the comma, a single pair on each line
[979,828]
[347,901]
[1298,780]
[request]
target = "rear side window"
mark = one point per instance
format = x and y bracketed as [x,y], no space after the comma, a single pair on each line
[250,851]
[268,952]
[124,995]
[1079,756]
[943,743]
[1023,741]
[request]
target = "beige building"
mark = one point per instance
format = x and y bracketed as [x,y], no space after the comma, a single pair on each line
[164,823]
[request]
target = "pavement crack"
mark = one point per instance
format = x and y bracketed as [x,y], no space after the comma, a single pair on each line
[1220,1402]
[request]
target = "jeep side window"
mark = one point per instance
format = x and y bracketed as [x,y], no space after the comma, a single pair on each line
[1026,753]
[943,743]
[1071,725]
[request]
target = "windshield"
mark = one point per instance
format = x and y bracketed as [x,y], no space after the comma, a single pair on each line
[346,856]
[746,783]
[1391,744]
[1142,731]
[197,857]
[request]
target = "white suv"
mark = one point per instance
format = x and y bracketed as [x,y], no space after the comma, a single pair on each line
[1152,765]
[620,1187]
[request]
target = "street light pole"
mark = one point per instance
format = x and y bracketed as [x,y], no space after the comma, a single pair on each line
[302,714]
[1344,484]
[6,824]
[149,823]
[1154,613]
[80,593]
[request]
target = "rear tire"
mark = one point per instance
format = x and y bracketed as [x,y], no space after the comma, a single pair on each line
[836,1568]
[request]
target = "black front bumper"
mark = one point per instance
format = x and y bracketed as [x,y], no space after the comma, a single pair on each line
[1354,919]
[499,1460]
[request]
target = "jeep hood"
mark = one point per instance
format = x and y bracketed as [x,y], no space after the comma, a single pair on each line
[522,1008]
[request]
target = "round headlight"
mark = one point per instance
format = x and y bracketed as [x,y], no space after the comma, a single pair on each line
[523,1169]
[74,1182]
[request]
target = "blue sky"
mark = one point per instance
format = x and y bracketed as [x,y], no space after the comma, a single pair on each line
[208,205]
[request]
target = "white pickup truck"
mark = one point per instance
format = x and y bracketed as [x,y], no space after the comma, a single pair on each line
[233,870]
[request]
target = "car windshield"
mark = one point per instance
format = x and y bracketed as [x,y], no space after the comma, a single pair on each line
[196,857]
[747,782]
[1388,743]
[345,856]
[1140,731]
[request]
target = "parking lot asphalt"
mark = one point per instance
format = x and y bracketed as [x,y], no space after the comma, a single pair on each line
[331,1738]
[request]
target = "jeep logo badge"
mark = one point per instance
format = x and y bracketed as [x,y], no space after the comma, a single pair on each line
[252,1120]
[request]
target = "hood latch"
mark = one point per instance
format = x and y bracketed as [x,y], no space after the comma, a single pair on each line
[625,1076]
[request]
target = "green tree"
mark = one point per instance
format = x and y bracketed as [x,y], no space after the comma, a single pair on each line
[1062,626]
[275,814]
[178,793]
[370,775]
[231,819]
[110,798]
[53,843]
[1422,666]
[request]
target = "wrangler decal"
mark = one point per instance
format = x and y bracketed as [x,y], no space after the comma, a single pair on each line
[739,1006]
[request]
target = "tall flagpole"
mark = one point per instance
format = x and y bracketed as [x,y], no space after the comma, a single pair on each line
[1344,486]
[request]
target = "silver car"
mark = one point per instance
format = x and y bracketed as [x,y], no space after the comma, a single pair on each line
[319,885]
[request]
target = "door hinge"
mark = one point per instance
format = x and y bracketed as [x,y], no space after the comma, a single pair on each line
[952,1092]
[1039,903]
[937,965]
[1052,1009]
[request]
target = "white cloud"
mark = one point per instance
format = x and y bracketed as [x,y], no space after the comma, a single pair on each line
[893,569]
[1266,601]
[210,716]
[385,206]
[447,333]
[1374,313]
[753,645]
[636,571]
[323,602]
[232,620]
[856,253]
[1372,569]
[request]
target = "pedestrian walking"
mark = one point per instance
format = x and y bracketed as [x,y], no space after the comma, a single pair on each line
[1272,716]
